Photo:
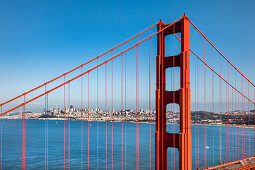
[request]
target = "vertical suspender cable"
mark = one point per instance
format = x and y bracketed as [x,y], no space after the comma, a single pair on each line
[228,120]
[197,106]
[171,81]
[213,101]
[149,102]
[125,109]
[88,120]
[97,115]
[243,144]
[112,113]
[196,166]
[45,142]
[138,96]
[138,89]
[47,129]
[249,148]
[233,129]
[122,112]
[171,38]
[23,134]
[226,127]
[238,120]
[220,95]
[64,121]
[173,98]
[106,114]
[172,151]
[81,118]
[137,107]
[244,123]
[204,110]
[236,128]
[198,158]
[69,114]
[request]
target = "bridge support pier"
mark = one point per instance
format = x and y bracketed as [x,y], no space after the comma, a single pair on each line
[163,139]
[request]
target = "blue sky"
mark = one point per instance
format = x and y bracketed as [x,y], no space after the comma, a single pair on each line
[42,39]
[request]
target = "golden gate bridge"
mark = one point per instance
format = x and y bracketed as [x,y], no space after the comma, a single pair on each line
[191,74]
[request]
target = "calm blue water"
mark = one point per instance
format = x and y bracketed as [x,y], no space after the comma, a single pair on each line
[12,144]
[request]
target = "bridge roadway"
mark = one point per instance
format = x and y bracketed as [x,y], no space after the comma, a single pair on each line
[246,163]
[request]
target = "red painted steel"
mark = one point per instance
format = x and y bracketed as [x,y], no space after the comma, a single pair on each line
[205,156]
[4,103]
[81,119]
[112,113]
[196,114]
[122,115]
[69,125]
[97,117]
[221,53]
[168,26]
[163,139]
[137,106]
[64,123]
[88,141]
[24,136]
[220,96]
[213,101]
[106,115]
[217,74]
[149,103]
[125,110]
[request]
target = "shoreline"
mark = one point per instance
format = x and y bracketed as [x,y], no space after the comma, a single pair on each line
[132,121]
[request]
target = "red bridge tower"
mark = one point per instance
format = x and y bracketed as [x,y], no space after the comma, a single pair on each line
[163,139]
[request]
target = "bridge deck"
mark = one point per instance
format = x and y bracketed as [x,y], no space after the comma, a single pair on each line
[247,163]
